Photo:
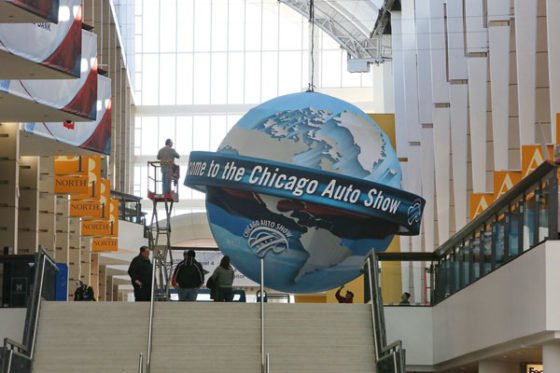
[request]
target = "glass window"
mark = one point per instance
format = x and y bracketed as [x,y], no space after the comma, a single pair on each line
[218,131]
[236,31]
[253,26]
[184,79]
[219,76]
[167,79]
[252,77]
[150,80]
[219,25]
[270,26]
[269,75]
[235,78]
[184,143]
[166,130]
[149,136]
[150,27]
[201,132]
[185,34]
[168,22]
[529,222]
[290,74]
[202,25]
[542,203]
[291,34]
[202,78]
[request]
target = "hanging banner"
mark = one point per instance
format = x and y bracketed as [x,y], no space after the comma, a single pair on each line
[104,191]
[47,9]
[532,156]
[114,215]
[71,184]
[91,209]
[67,165]
[35,46]
[92,167]
[69,96]
[97,228]
[99,244]
[94,135]
[479,203]
[358,196]
[504,181]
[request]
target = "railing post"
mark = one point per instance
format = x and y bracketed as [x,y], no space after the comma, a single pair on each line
[141,363]
[151,319]
[263,362]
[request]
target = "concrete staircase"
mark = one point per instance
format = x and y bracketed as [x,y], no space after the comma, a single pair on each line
[204,337]
[90,337]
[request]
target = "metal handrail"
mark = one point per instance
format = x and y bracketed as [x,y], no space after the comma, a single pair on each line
[373,302]
[37,309]
[263,357]
[151,319]
[141,363]
[9,345]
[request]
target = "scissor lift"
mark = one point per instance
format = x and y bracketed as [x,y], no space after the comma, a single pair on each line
[160,231]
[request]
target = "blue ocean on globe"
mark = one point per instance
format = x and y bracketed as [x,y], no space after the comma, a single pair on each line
[307,247]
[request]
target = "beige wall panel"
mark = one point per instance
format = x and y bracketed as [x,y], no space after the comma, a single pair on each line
[526,39]
[477,34]
[542,70]
[440,92]
[400,103]
[28,215]
[553,32]
[428,188]
[499,74]
[457,62]
[442,151]
[62,229]
[424,62]
[478,96]
[458,116]
[543,105]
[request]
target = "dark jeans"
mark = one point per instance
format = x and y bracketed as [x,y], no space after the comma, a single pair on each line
[224,295]
[142,294]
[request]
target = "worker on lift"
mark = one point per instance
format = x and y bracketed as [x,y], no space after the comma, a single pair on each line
[169,170]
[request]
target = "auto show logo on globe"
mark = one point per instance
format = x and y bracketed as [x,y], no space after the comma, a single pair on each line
[311,184]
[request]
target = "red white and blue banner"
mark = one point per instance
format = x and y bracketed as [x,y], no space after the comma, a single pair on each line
[94,135]
[46,9]
[57,46]
[73,96]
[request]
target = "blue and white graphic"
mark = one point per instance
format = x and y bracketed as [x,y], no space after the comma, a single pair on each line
[309,183]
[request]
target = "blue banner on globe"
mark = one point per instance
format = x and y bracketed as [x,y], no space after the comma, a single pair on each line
[311,184]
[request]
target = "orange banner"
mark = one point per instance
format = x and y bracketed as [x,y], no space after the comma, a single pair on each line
[71,184]
[97,228]
[504,181]
[67,165]
[92,164]
[480,202]
[105,195]
[92,209]
[532,156]
[104,244]
[114,215]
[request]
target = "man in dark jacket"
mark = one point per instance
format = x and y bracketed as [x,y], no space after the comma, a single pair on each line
[140,272]
[188,277]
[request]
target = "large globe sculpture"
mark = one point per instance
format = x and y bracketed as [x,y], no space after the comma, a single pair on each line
[311,184]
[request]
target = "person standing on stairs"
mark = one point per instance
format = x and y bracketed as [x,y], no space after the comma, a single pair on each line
[140,272]
[188,277]
[223,280]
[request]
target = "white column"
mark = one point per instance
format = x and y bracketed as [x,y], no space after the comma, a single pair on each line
[428,187]
[494,366]
[424,62]
[551,357]
[47,206]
